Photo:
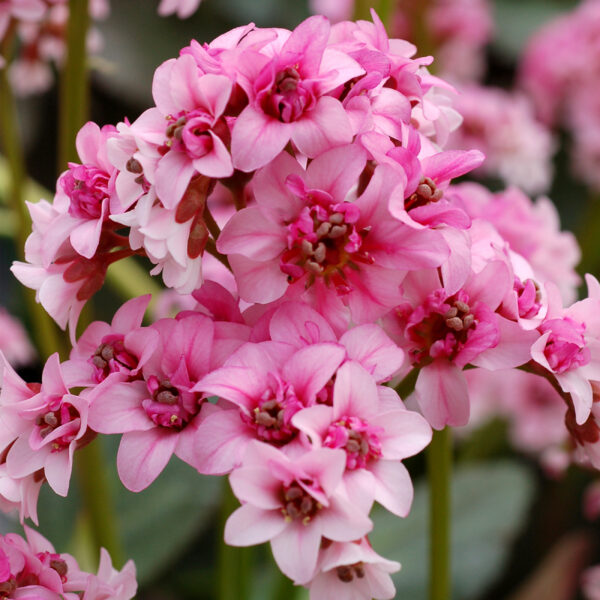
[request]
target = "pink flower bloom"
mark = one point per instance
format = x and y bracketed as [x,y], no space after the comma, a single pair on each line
[590,583]
[173,239]
[353,570]
[108,583]
[183,8]
[44,426]
[518,148]
[568,346]
[375,436]
[187,133]
[288,98]
[119,348]
[269,382]
[307,238]
[531,229]
[443,333]
[157,412]
[294,504]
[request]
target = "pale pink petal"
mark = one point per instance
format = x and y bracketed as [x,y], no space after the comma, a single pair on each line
[312,367]
[130,315]
[143,455]
[322,128]
[354,392]
[299,325]
[117,408]
[513,349]
[173,175]
[393,487]
[258,281]
[443,395]
[216,163]
[219,445]
[406,433]
[296,549]
[250,525]
[257,139]
[57,470]
[251,234]
[374,350]
[344,522]
[257,486]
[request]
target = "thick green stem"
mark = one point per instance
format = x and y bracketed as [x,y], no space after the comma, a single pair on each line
[44,331]
[234,564]
[74,93]
[98,500]
[439,466]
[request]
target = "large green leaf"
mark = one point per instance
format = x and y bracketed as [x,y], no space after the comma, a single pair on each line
[489,505]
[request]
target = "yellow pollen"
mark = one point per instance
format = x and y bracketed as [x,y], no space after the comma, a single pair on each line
[173,419]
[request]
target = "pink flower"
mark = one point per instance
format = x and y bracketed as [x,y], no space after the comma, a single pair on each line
[518,148]
[307,237]
[353,570]
[294,504]
[44,424]
[289,99]
[531,229]
[568,346]
[375,435]
[119,348]
[157,413]
[269,383]
[443,333]
[187,133]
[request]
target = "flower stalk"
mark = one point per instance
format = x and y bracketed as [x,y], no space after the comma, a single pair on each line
[439,467]
[74,93]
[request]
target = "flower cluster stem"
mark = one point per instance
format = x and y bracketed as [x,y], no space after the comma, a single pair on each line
[74,93]
[439,466]
[234,564]
[44,331]
[98,501]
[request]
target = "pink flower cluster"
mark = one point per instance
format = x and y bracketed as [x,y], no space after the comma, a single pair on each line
[41,30]
[312,164]
[31,568]
[458,30]
[502,125]
[559,71]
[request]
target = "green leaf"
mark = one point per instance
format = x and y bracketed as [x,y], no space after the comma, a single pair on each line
[489,505]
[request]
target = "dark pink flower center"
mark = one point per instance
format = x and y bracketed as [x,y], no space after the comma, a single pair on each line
[87,187]
[440,327]
[359,439]
[55,562]
[426,193]
[59,413]
[288,98]
[190,132]
[111,357]
[324,239]
[169,405]
[347,573]
[272,415]
[566,348]
[298,504]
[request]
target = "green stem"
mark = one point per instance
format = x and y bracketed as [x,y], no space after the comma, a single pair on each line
[439,467]
[234,564]
[98,500]
[74,97]
[44,331]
